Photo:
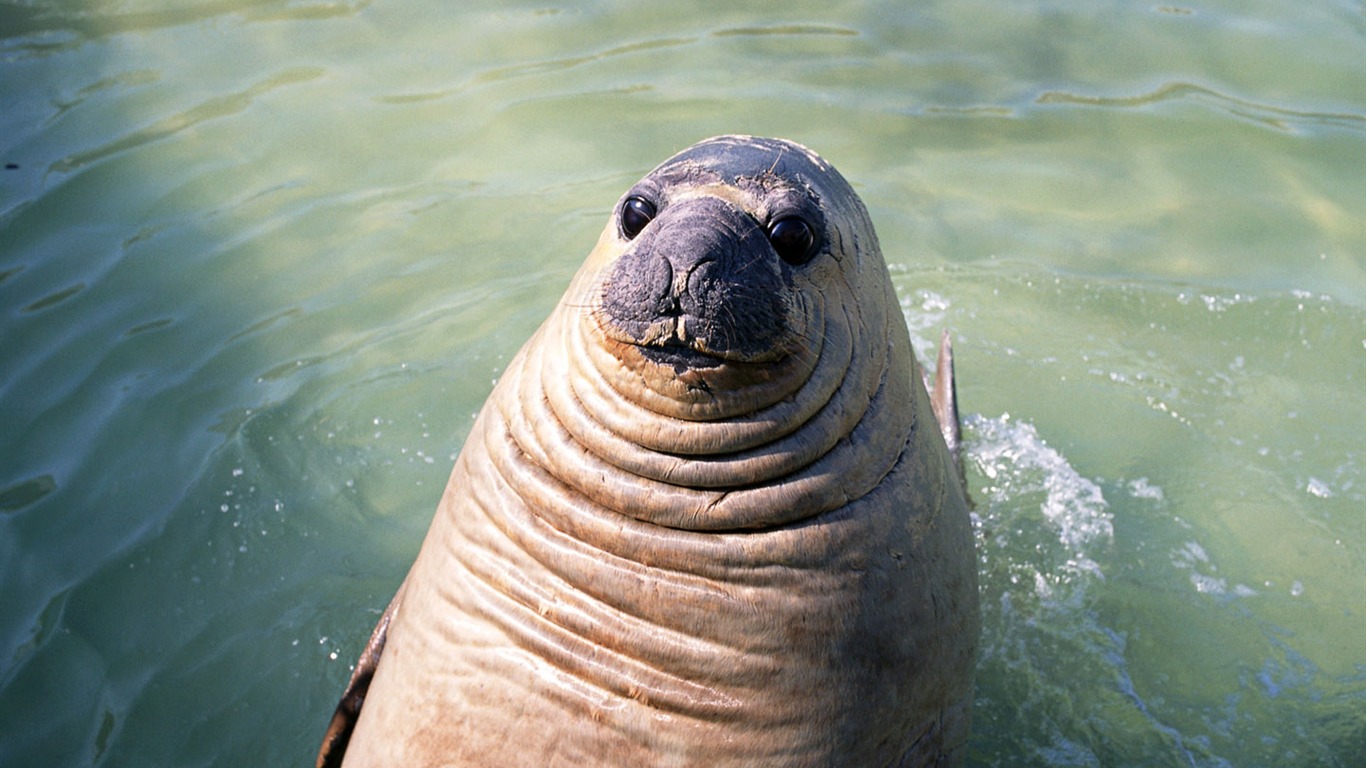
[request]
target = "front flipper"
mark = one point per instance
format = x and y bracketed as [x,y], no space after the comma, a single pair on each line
[944,402]
[353,698]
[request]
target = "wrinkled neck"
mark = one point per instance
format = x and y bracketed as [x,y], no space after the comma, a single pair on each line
[825,431]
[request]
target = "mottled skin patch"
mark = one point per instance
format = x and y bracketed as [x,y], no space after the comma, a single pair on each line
[707,516]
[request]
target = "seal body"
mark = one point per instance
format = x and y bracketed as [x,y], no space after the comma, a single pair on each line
[706,517]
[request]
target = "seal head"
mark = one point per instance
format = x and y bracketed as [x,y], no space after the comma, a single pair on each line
[723,255]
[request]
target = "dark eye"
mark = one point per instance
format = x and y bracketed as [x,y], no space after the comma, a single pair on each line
[636,212]
[792,238]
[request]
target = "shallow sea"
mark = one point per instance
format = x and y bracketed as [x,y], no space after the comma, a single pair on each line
[260,263]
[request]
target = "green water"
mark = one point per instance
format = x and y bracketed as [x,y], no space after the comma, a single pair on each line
[260,263]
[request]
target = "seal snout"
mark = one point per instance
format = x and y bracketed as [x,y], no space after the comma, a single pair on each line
[700,278]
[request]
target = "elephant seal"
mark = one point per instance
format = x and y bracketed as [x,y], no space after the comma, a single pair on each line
[706,517]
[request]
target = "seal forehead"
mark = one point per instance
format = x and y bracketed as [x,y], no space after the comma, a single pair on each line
[741,157]
[767,177]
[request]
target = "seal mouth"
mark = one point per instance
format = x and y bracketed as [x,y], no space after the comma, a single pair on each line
[679,355]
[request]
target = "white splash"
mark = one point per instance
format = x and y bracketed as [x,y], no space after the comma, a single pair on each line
[1019,464]
[925,312]
[1192,557]
[1317,487]
[1142,489]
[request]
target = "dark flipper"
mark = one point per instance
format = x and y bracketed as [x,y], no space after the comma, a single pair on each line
[348,709]
[944,402]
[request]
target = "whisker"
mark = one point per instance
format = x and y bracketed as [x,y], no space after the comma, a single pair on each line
[777,159]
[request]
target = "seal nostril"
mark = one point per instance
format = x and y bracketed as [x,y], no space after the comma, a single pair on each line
[668,306]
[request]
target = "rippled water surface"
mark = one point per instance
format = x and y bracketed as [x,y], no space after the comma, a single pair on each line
[260,263]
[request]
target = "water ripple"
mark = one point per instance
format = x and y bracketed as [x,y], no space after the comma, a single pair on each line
[785,30]
[28,25]
[1279,118]
[22,494]
[119,83]
[55,298]
[220,106]
[568,62]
